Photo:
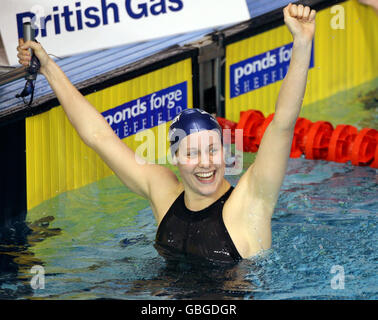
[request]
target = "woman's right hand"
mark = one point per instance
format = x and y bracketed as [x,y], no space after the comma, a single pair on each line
[24,56]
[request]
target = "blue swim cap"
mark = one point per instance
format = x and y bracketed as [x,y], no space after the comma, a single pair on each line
[190,121]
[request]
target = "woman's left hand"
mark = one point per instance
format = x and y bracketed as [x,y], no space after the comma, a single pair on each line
[300,20]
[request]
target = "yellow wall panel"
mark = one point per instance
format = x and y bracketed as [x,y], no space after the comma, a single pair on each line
[343,58]
[57,159]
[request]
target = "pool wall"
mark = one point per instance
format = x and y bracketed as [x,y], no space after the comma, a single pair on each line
[12,174]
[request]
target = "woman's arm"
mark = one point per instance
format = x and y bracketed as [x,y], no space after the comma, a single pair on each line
[255,196]
[301,23]
[87,121]
[95,131]
[268,171]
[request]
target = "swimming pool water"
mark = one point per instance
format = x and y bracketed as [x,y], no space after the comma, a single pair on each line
[97,242]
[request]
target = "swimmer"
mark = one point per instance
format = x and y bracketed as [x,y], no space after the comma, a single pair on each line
[202,215]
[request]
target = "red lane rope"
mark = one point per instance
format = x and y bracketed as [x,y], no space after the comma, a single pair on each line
[316,140]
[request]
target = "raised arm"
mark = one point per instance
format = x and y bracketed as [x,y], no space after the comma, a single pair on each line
[249,211]
[95,131]
[268,171]
[87,121]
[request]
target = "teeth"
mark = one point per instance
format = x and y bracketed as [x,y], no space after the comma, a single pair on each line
[205,175]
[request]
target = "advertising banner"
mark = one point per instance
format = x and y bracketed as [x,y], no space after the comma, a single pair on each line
[261,70]
[68,27]
[147,111]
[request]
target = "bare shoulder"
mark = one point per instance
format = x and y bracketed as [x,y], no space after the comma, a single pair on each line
[247,218]
[164,188]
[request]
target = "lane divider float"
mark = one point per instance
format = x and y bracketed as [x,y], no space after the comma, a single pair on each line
[316,140]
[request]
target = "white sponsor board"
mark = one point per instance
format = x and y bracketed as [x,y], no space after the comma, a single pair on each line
[67,27]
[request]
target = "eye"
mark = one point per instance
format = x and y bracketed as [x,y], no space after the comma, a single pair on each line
[213,150]
[192,153]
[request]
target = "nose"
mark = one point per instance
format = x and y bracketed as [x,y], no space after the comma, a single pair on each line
[204,160]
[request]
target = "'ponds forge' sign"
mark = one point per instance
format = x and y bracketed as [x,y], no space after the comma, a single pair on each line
[147,111]
[261,70]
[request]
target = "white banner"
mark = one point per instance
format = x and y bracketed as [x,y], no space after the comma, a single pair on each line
[67,27]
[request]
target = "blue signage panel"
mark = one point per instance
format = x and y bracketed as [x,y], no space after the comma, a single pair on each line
[148,111]
[261,70]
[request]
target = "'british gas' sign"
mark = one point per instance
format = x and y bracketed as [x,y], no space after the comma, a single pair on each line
[147,111]
[261,70]
[66,27]
[75,17]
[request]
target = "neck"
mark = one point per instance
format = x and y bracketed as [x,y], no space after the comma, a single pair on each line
[196,202]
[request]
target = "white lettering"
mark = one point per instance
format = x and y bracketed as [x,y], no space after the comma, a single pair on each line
[338,20]
[38,281]
[337,282]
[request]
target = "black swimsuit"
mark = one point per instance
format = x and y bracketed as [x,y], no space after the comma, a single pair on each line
[196,233]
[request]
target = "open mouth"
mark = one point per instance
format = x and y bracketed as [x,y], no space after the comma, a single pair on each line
[205,177]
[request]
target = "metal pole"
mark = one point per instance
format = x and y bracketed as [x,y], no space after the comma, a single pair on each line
[218,74]
[29,35]
[13,75]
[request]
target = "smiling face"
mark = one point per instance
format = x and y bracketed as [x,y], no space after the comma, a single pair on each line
[200,161]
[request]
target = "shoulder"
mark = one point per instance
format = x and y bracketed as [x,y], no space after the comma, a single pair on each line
[164,190]
[247,219]
[246,199]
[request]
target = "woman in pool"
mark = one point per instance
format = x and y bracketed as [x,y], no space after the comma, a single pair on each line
[203,215]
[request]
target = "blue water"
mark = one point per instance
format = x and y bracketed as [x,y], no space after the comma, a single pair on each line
[97,242]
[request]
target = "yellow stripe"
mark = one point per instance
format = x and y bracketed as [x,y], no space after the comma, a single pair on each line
[343,59]
[56,158]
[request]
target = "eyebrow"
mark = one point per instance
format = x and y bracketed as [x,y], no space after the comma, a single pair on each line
[210,145]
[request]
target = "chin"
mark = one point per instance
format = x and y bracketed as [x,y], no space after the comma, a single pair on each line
[206,191]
